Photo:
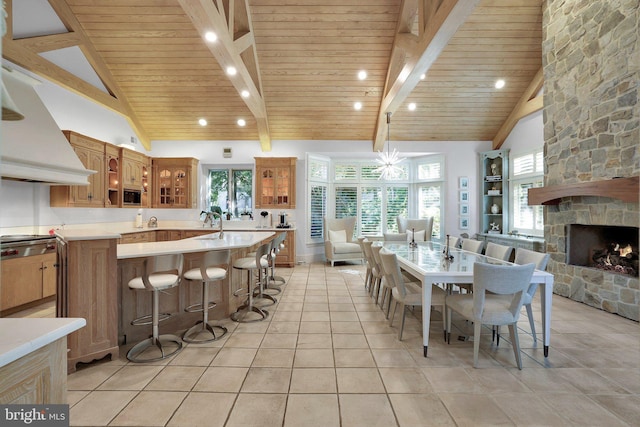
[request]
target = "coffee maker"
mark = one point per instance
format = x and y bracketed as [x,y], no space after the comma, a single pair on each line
[282,223]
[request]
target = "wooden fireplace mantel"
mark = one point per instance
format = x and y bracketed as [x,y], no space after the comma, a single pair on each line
[625,189]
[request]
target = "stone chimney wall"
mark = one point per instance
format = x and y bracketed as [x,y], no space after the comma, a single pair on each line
[591,60]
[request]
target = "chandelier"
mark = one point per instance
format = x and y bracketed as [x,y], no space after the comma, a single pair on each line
[388,168]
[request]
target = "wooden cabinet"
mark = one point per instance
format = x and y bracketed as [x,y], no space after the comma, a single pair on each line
[27,279]
[287,255]
[91,153]
[138,237]
[112,157]
[135,177]
[175,182]
[494,202]
[89,289]
[275,182]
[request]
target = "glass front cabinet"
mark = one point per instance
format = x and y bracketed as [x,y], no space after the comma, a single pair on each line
[276,182]
[494,205]
[175,182]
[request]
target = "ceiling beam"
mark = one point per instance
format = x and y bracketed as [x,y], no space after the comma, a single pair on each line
[528,103]
[230,26]
[51,42]
[67,17]
[406,66]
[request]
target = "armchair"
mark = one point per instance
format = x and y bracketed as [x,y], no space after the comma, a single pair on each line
[423,228]
[338,241]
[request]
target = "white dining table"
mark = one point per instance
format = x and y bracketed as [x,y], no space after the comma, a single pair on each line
[427,262]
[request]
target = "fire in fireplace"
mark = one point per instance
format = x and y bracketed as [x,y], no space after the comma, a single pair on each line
[605,247]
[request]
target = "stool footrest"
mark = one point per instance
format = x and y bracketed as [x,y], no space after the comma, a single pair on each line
[197,308]
[146,320]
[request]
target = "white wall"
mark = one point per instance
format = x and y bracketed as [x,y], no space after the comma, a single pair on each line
[26,205]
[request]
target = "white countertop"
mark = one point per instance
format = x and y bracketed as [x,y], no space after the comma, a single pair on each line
[21,336]
[115,230]
[207,242]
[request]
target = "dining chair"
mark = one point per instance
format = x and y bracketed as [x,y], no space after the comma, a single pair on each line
[367,276]
[376,274]
[497,251]
[526,256]
[472,245]
[407,293]
[498,294]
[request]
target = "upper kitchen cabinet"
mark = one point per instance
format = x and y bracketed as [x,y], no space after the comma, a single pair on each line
[276,182]
[175,182]
[112,157]
[91,153]
[135,178]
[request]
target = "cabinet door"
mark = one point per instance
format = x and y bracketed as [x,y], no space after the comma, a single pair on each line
[282,187]
[268,187]
[49,275]
[180,188]
[91,195]
[21,281]
[164,188]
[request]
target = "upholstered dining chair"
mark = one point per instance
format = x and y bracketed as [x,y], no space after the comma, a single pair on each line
[526,256]
[497,251]
[472,245]
[422,227]
[338,241]
[498,294]
[407,293]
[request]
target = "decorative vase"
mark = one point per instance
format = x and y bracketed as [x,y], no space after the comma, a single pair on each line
[495,209]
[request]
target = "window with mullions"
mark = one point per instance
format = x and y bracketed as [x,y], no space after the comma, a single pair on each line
[318,177]
[231,190]
[526,172]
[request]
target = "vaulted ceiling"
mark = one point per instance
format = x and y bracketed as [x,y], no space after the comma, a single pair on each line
[297,60]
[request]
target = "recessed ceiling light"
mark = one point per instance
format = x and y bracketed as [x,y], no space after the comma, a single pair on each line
[241,122]
[500,84]
[245,93]
[202,122]
[231,71]
[412,106]
[357,106]
[423,76]
[362,75]
[210,36]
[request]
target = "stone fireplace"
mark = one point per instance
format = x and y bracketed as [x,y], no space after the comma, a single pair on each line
[591,63]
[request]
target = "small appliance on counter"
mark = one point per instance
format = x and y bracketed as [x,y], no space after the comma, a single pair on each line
[153,222]
[283,221]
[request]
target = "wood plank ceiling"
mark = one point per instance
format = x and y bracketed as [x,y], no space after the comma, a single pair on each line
[303,57]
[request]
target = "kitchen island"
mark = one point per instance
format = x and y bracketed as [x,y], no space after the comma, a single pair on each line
[134,304]
[94,274]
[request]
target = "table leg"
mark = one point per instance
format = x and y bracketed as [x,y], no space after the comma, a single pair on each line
[546,294]
[424,349]
[426,313]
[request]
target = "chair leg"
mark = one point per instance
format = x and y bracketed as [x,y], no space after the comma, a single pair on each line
[449,315]
[477,326]
[513,332]
[393,313]
[404,313]
[531,322]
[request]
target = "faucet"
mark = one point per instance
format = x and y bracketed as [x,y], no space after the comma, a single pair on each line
[209,218]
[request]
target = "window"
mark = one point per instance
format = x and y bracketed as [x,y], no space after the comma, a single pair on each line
[318,177]
[526,172]
[354,189]
[231,190]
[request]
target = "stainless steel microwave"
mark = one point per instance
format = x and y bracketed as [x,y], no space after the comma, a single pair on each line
[131,197]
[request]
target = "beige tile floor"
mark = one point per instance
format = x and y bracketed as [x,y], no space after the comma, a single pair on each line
[327,357]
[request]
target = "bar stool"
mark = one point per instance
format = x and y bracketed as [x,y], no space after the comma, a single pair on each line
[274,282]
[213,268]
[253,265]
[160,273]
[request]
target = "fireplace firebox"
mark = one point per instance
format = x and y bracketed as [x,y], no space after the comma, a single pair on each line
[605,247]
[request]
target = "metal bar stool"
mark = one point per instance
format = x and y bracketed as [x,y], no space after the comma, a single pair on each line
[160,273]
[213,268]
[274,282]
[257,264]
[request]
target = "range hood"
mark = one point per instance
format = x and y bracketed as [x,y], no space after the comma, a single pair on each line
[34,149]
